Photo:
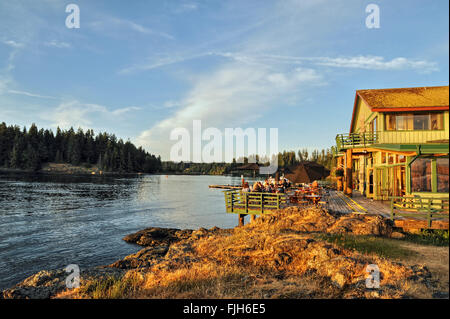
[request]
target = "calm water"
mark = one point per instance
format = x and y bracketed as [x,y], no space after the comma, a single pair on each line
[48,222]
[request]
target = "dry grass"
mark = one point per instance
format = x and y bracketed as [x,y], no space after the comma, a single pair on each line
[274,257]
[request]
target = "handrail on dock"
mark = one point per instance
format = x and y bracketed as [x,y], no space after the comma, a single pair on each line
[431,208]
[254,203]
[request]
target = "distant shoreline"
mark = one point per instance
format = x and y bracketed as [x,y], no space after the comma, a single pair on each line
[84,173]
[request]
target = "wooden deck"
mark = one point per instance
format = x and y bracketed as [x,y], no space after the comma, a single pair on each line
[332,200]
[338,202]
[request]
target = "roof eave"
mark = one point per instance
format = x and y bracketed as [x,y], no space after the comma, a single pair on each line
[412,108]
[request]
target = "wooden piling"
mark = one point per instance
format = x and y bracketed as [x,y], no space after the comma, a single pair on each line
[348,173]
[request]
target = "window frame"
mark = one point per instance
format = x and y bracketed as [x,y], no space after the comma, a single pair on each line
[392,121]
[434,176]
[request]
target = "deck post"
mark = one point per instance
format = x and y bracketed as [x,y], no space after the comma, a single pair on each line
[348,173]
[232,202]
[429,213]
[262,203]
[392,209]
[246,202]
[241,219]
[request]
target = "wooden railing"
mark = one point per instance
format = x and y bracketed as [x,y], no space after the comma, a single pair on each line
[420,207]
[345,141]
[239,202]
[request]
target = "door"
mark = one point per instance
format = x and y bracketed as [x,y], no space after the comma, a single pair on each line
[370,190]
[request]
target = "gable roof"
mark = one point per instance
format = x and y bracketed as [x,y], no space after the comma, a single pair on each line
[431,98]
[434,96]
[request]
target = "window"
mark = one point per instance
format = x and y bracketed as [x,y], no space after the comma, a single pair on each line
[390,158]
[442,175]
[404,122]
[401,159]
[414,121]
[383,157]
[390,122]
[437,121]
[421,175]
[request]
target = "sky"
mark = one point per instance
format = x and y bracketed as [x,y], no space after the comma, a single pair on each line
[139,69]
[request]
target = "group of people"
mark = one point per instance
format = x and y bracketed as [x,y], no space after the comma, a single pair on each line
[270,185]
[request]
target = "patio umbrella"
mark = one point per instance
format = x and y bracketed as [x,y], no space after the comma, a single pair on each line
[306,172]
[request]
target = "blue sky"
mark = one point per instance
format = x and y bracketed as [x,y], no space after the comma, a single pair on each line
[141,68]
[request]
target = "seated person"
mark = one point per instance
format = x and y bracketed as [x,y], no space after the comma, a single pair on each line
[256,187]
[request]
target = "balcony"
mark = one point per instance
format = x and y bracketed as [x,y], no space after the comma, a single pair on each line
[356,140]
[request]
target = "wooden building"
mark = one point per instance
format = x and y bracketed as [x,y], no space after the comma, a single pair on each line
[398,143]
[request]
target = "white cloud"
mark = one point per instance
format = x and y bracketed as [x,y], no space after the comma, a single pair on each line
[232,96]
[76,114]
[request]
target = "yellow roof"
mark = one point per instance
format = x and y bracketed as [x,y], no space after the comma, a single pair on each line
[432,96]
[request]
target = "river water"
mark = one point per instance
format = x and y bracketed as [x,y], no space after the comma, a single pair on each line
[51,221]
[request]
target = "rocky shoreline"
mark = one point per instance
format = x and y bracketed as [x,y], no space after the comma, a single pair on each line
[284,243]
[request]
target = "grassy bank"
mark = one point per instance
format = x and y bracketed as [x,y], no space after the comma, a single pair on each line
[293,254]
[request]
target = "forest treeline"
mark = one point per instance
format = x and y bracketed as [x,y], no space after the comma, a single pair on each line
[285,159]
[30,149]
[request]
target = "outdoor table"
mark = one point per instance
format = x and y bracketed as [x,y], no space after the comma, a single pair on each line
[314,198]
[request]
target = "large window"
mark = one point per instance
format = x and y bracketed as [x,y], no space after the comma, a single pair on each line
[414,121]
[442,175]
[421,175]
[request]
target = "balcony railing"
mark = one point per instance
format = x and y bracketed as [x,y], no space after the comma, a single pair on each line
[352,140]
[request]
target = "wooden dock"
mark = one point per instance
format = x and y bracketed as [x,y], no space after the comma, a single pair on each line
[225,186]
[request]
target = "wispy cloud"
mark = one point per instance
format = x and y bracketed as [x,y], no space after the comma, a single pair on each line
[109,24]
[186,7]
[77,114]
[377,63]
[160,62]
[14,44]
[31,94]
[125,110]
[352,62]
[58,44]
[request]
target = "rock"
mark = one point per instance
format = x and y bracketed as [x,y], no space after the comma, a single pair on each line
[397,235]
[47,283]
[339,280]
[144,258]
[155,236]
